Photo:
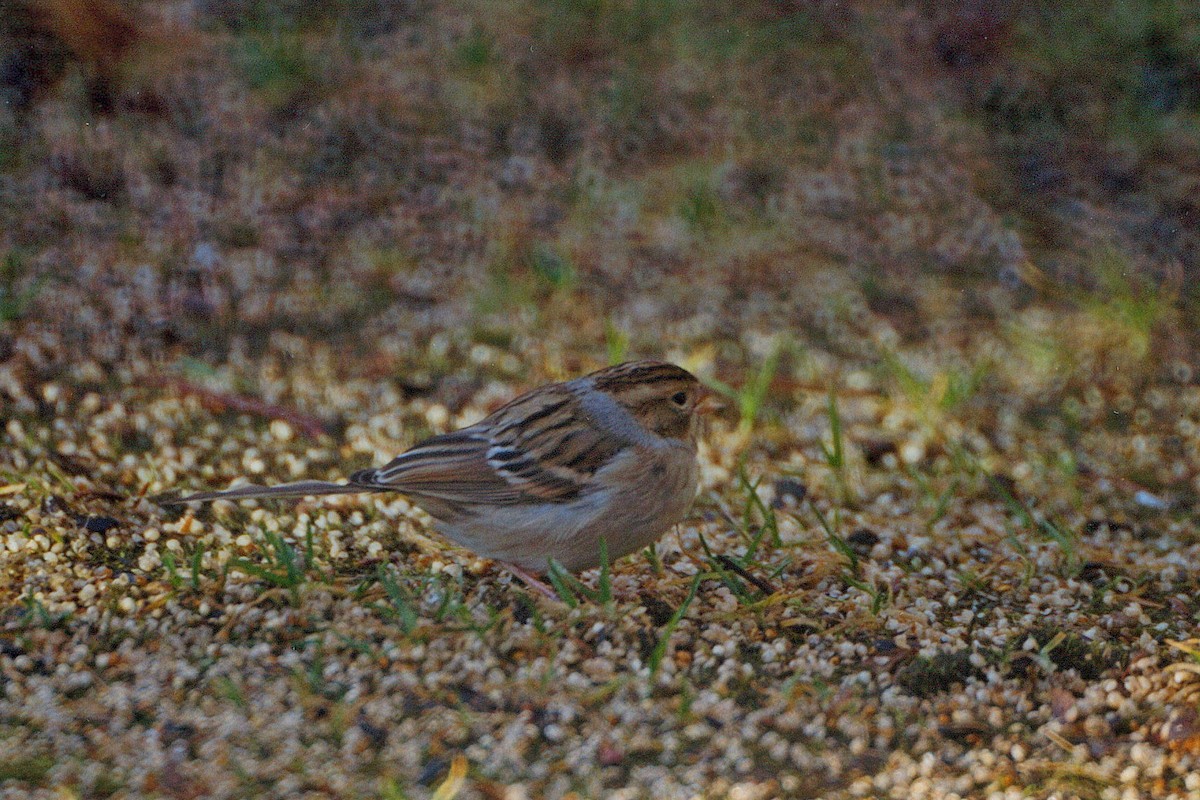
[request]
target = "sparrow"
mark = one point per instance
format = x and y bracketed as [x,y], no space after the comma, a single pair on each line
[610,456]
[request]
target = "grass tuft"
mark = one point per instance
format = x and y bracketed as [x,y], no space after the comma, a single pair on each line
[835,452]
[570,589]
[753,393]
[552,267]
[401,608]
[29,769]
[1067,541]
[36,615]
[768,527]
[15,301]
[279,564]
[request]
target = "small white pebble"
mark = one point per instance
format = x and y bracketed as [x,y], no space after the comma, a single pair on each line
[437,416]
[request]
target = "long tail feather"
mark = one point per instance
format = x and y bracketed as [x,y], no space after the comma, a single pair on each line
[297,489]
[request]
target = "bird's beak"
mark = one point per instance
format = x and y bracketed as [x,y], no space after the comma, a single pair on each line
[709,401]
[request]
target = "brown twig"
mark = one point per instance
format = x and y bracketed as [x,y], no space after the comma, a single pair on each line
[243,404]
[762,583]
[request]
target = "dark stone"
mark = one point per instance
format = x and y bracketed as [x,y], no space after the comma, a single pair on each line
[875,449]
[924,677]
[522,609]
[377,735]
[862,540]
[659,611]
[55,505]
[434,768]
[100,525]
[790,487]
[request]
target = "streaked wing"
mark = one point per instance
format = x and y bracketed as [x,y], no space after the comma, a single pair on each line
[452,467]
[538,448]
[547,446]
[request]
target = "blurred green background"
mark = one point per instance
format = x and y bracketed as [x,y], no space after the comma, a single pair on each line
[998,190]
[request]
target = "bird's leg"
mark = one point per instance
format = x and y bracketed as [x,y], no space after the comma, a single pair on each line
[530,580]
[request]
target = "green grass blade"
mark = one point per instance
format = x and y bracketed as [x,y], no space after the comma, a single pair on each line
[168,560]
[197,563]
[604,593]
[557,575]
[402,609]
[617,343]
[660,649]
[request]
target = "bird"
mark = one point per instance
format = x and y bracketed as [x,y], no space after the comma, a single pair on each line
[610,456]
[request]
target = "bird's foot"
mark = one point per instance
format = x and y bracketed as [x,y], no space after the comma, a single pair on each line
[531,580]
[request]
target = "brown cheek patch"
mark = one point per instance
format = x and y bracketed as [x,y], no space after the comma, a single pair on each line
[663,419]
[677,426]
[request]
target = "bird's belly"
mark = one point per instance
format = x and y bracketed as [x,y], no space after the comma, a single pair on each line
[627,515]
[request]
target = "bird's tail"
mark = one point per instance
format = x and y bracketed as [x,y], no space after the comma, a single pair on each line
[297,489]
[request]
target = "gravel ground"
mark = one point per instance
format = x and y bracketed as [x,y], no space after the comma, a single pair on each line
[947,540]
[928,643]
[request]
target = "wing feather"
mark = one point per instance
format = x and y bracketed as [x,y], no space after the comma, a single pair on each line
[541,447]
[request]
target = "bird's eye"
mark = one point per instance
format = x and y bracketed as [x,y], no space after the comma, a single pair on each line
[679,398]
